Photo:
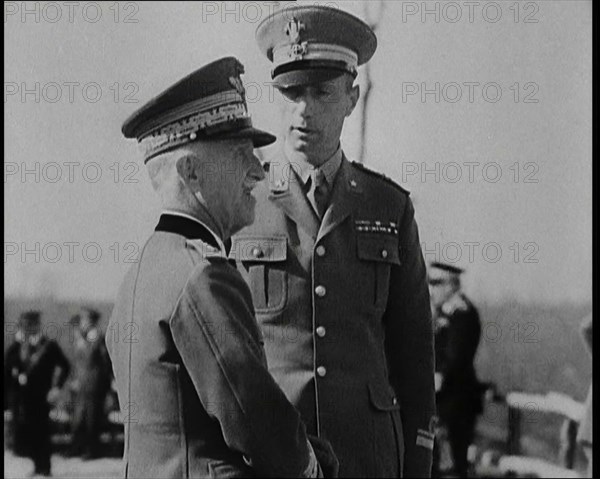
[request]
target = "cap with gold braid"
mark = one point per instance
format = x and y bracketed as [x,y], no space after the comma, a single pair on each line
[311,44]
[208,104]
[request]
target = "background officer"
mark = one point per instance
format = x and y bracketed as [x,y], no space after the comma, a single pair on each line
[457,333]
[585,432]
[334,263]
[91,381]
[191,373]
[35,368]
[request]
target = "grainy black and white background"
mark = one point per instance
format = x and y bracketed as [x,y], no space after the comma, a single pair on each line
[483,110]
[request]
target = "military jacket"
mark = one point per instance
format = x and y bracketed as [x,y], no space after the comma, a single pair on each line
[585,432]
[29,377]
[343,306]
[195,395]
[457,335]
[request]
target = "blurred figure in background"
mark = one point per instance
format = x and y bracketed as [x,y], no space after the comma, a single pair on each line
[91,382]
[584,435]
[35,368]
[458,392]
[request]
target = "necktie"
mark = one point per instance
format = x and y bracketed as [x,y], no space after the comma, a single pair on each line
[318,192]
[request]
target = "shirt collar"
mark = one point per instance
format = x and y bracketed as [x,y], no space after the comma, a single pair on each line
[190,217]
[330,168]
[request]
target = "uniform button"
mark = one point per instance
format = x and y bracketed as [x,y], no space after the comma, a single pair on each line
[321,250]
[394,401]
[320,290]
[321,371]
[384,253]
[321,331]
[257,252]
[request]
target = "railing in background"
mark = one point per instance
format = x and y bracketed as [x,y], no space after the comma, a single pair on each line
[519,404]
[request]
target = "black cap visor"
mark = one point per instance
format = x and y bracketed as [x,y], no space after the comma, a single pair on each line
[259,138]
[308,72]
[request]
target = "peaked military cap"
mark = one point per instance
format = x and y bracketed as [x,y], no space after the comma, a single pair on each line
[31,317]
[311,44]
[208,104]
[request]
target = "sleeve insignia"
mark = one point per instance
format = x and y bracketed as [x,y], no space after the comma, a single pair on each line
[425,439]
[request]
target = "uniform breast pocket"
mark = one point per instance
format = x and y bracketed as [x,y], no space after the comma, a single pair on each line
[379,253]
[263,263]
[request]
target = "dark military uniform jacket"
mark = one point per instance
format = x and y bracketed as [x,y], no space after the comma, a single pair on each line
[31,368]
[585,432]
[344,310]
[457,335]
[196,397]
[29,374]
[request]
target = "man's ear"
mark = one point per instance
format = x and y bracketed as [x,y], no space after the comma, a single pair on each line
[187,170]
[354,96]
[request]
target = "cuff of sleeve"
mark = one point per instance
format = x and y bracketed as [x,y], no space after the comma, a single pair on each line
[425,439]
[312,470]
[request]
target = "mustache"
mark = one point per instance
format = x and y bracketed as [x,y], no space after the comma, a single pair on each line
[250,183]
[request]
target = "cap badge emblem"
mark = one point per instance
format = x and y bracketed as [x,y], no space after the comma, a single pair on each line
[298,51]
[293,29]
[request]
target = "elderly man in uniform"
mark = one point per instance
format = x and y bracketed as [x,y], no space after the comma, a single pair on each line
[191,373]
[334,263]
[35,368]
[457,333]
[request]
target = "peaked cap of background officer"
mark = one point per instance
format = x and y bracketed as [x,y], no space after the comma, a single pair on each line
[442,272]
[208,104]
[312,44]
[32,318]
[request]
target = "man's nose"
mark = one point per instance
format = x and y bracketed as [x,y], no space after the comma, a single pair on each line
[257,172]
[305,106]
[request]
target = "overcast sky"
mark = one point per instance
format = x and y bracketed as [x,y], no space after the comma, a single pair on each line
[483,112]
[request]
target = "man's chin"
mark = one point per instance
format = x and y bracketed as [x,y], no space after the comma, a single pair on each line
[300,147]
[246,219]
[299,143]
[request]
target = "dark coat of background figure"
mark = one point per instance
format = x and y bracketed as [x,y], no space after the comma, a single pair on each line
[459,400]
[92,376]
[30,371]
[344,309]
[585,432]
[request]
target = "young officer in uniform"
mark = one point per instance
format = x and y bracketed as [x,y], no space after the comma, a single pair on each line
[191,373]
[334,263]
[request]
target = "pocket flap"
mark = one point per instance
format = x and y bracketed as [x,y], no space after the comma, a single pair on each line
[259,248]
[383,397]
[378,247]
